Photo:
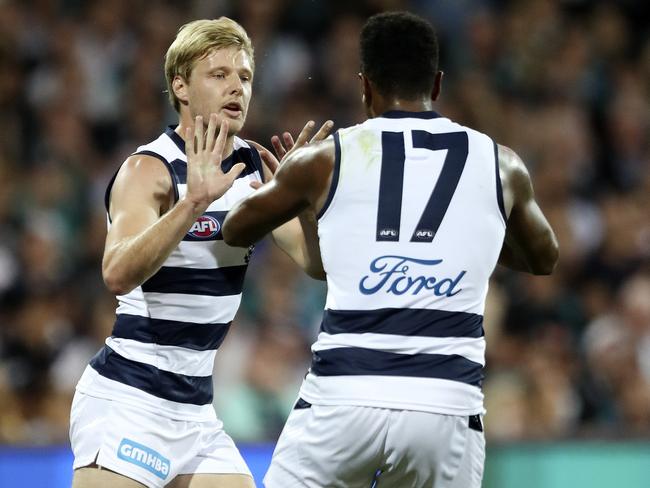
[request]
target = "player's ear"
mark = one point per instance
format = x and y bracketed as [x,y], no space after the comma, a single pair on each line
[437,86]
[366,91]
[179,85]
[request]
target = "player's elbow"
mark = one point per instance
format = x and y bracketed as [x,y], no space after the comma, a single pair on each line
[548,258]
[116,282]
[233,236]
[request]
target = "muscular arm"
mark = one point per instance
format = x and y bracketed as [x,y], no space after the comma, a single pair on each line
[298,188]
[139,239]
[530,244]
[142,234]
[298,237]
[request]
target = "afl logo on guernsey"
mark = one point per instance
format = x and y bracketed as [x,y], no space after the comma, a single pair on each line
[205,227]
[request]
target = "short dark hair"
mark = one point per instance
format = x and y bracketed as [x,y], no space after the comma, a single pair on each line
[399,54]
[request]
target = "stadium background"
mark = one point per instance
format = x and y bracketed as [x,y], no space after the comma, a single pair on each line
[564,83]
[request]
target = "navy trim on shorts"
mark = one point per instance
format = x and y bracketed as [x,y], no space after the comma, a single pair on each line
[335,175]
[301,404]
[403,321]
[216,282]
[198,337]
[180,388]
[354,361]
[502,206]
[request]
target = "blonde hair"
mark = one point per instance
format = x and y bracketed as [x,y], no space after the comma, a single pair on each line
[195,40]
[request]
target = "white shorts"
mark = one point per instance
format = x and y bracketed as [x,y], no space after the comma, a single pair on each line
[145,447]
[352,446]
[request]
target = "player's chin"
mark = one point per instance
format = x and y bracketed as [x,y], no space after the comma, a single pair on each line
[235,124]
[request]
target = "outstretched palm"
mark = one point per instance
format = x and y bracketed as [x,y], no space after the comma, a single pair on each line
[206,182]
[286,145]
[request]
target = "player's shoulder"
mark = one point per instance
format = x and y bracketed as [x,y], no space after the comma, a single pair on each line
[513,170]
[168,146]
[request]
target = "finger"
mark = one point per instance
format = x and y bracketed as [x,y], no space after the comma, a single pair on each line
[255,184]
[212,127]
[235,171]
[279,149]
[220,143]
[271,162]
[323,132]
[189,141]
[198,133]
[306,131]
[288,141]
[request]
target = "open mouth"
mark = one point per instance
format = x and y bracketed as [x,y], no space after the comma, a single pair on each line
[233,109]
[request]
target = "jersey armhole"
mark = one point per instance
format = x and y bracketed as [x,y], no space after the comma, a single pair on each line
[499,187]
[172,174]
[335,176]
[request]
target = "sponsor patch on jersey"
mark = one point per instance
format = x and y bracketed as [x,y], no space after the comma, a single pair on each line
[144,457]
[401,274]
[205,227]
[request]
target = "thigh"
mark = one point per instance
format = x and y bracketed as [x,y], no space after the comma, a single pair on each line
[213,481]
[96,477]
[328,446]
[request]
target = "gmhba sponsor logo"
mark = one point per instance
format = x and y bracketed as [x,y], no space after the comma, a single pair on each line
[144,457]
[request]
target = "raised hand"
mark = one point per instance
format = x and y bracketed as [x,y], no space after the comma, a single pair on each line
[282,149]
[303,138]
[206,182]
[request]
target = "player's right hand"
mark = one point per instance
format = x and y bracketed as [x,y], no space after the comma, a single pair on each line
[281,150]
[206,182]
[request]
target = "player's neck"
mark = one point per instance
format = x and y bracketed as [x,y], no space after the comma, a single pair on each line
[184,124]
[388,105]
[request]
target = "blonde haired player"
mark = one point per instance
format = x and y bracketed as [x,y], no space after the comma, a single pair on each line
[142,414]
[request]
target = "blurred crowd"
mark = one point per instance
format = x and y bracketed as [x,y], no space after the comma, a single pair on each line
[566,84]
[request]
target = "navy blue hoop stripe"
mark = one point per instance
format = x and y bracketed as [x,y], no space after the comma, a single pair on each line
[354,361]
[196,390]
[198,337]
[335,175]
[403,321]
[191,281]
[502,206]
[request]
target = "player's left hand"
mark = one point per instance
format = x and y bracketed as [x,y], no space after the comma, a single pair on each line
[287,145]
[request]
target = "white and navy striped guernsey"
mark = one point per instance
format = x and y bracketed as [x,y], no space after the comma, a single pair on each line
[161,352]
[410,233]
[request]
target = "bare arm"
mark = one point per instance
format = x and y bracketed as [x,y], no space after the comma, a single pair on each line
[530,244]
[142,232]
[300,184]
[298,237]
